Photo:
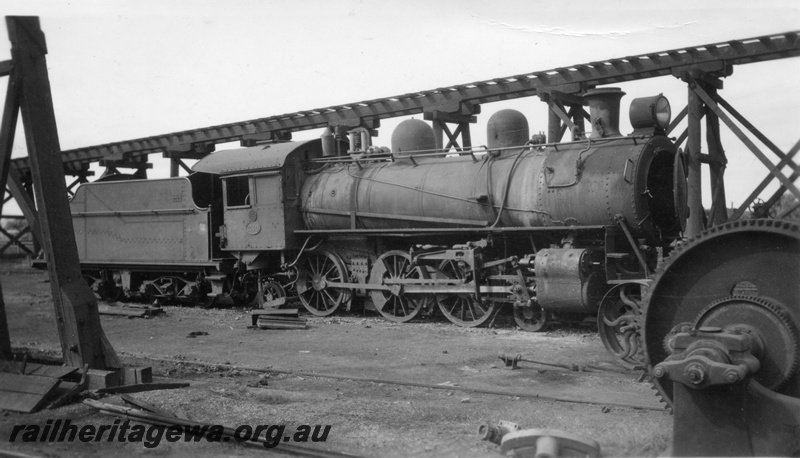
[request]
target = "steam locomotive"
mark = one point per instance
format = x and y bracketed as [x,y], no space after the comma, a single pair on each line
[562,229]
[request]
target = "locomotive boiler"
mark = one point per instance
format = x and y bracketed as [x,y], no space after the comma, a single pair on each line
[565,229]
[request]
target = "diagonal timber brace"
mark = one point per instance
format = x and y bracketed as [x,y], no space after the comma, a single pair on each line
[713,106]
[82,338]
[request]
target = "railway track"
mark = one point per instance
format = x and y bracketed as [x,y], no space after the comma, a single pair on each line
[448,387]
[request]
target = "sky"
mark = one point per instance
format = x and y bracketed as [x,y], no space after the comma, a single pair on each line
[121,70]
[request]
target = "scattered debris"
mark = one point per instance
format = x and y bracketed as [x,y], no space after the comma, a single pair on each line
[25,393]
[146,406]
[512,361]
[529,443]
[495,433]
[36,369]
[129,310]
[139,387]
[278,319]
[260,383]
[28,387]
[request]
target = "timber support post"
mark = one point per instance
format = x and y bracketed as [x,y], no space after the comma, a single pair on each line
[462,114]
[695,224]
[565,112]
[83,341]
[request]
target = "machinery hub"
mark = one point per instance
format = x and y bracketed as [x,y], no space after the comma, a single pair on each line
[318,283]
[768,323]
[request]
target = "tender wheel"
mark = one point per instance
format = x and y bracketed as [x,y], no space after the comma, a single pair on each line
[318,269]
[462,309]
[161,289]
[396,305]
[531,319]
[107,290]
[94,283]
[618,324]
[111,294]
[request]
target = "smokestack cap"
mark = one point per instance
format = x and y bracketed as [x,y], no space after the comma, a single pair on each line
[604,111]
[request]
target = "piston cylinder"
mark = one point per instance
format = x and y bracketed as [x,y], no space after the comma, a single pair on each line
[567,280]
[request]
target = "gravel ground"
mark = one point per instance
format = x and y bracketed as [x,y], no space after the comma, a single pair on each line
[386,389]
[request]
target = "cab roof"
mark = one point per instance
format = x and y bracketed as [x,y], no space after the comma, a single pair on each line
[256,158]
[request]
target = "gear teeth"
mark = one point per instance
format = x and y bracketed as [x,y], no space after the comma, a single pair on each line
[779,312]
[773,226]
[659,395]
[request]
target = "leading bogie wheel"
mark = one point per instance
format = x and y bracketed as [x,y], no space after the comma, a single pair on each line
[531,319]
[395,304]
[317,271]
[272,291]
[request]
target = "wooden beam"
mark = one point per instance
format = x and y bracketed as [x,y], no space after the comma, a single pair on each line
[695,224]
[82,337]
[576,112]
[8,126]
[716,166]
[6,67]
[554,131]
[761,186]
[558,109]
[747,142]
[15,239]
[785,159]
[25,203]
[677,119]
[602,72]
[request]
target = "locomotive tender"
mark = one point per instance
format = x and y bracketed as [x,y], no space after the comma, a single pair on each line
[543,228]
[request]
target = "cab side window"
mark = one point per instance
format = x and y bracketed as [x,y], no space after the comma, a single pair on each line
[237,191]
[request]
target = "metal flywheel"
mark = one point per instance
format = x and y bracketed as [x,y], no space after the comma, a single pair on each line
[741,277]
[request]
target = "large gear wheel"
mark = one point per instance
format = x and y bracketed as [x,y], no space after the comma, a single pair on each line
[757,262]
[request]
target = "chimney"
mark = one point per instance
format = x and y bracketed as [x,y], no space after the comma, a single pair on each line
[604,111]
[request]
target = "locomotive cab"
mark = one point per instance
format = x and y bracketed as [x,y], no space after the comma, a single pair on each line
[259,195]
